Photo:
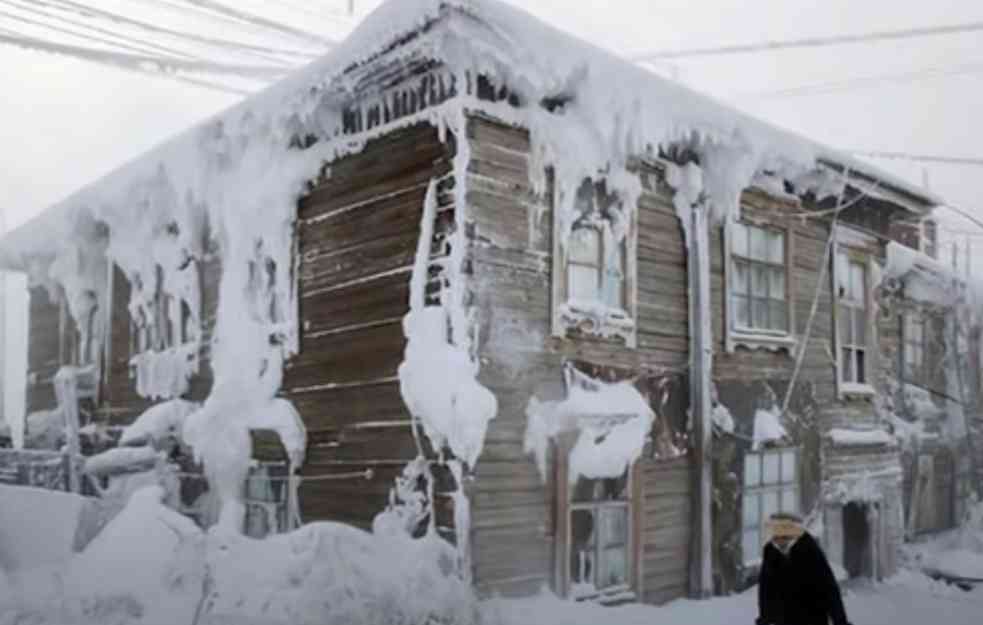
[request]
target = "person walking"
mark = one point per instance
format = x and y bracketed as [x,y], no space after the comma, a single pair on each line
[796,585]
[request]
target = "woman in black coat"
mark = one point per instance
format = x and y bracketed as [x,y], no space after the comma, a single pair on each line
[797,585]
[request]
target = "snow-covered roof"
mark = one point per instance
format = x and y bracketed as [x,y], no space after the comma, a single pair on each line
[630,108]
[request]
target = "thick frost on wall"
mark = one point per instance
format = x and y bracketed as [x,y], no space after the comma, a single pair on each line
[613,422]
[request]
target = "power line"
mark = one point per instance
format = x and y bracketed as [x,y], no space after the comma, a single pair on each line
[134,45]
[129,61]
[867,81]
[949,160]
[250,18]
[811,42]
[90,12]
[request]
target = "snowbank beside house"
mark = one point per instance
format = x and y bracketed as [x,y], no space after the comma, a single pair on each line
[152,566]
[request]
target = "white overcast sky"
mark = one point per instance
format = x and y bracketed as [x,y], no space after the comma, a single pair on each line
[65,122]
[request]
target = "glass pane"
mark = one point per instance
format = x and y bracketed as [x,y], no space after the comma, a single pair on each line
[861,369]
[860,326]
[614,526]
[739,239]
[581,546]
[584,283]
[752,470]
[752,512]
[613,569]
[614,285]
[760,313]
[741,312]
[790,500]
[752,545]
[777,284]
[776,246]
[857,282]
[769,504]
[585,246]
[842,275]
[789,459]
[759,280]
[779,320]
[771,472]
[844,315]
[846,365]
[610,489]
[739,279]
[759,244]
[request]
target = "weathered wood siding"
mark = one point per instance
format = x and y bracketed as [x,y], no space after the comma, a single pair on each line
[358,232]
[43,349]
[514,509]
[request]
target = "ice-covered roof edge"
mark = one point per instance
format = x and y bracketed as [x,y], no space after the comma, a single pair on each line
[539,61]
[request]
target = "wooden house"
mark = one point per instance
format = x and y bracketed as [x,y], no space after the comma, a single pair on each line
[630,273]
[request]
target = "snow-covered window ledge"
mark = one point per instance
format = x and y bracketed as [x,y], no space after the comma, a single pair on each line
[594,277]
[758,307]
[860,391]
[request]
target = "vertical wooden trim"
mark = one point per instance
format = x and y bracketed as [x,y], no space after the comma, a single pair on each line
[558,265]
[561,539]
[834,276]
[637,514]
[701,359]
[725,305]
[106,355]
[631,286]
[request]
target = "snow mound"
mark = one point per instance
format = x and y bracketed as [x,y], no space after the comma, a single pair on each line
[860,438]
[37,526]
[768,427]
[158,422]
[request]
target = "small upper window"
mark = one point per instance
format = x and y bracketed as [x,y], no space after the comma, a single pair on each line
[914,346]
[593,278]
[852,315]
[758,285]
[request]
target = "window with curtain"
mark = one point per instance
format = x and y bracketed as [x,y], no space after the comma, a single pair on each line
[771,485]
[758,279]
[596,267]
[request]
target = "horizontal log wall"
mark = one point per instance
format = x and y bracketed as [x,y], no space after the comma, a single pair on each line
[358,233]
[43,349]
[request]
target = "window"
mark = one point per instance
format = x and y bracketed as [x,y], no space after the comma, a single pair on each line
[266,500]
[600,547]
[852,319]
[162,322]
[594,272]
[914,347]
[771,485]
[758,279]
[596,266]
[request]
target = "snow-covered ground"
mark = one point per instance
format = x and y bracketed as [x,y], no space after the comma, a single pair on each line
[151,566]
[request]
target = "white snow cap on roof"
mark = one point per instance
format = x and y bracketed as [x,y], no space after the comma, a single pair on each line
[632,110]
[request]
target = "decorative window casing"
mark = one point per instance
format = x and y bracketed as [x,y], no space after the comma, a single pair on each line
[854,328]
[771,485]
[759,306]
[595,268]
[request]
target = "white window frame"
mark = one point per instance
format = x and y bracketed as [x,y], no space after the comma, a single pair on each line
[749,337]
[596,318]
[850,387]
[758,490]
[597,507]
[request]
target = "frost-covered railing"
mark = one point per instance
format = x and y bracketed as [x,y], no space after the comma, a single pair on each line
[45,469]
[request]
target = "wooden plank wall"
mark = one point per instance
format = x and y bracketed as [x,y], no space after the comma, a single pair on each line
[358,232]
[667,528]
[43,349]
[513,509]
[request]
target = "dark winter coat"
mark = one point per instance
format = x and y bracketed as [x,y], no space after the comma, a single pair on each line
[798,588]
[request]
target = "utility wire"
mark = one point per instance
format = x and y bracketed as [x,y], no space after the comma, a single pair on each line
[91,12]
[251,18]
[130,61]
[138,45]
[867,82]
[811,42]
[904,156]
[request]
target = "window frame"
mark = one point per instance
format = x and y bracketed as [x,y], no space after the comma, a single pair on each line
[160,334]
[615,322]
[750,337]
[854,256]
[914,372]
[565,506]
[782,486]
